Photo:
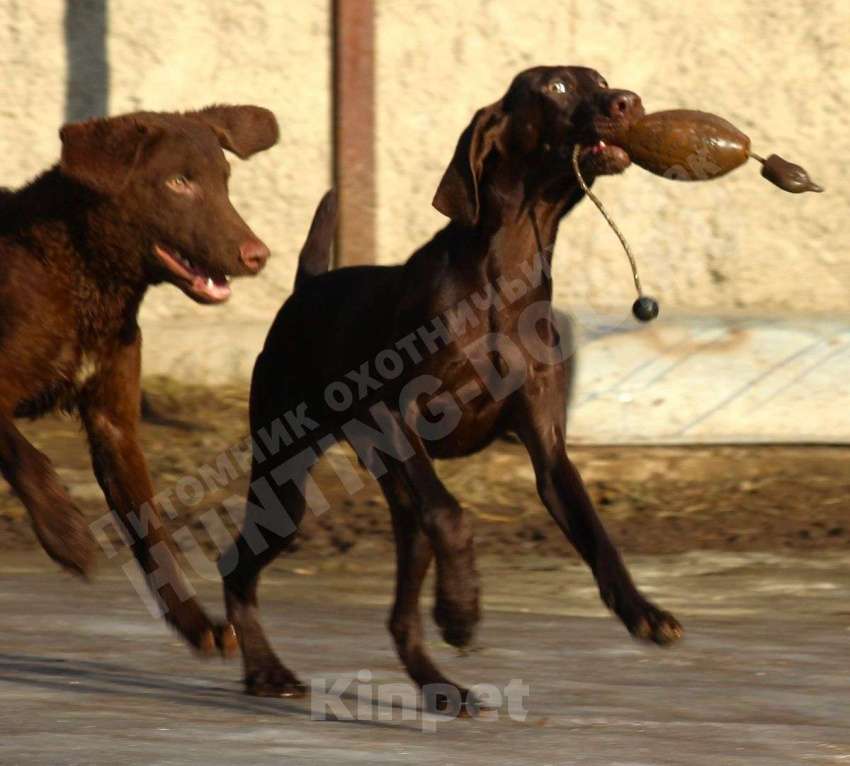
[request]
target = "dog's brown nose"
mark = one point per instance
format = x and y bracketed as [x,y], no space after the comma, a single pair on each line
[624,105]
[254,254]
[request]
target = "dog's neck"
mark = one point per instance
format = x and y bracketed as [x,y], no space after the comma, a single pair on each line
[63,216]
[518,229]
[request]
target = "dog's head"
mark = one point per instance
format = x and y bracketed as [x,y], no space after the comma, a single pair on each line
[528,136]
[164,179]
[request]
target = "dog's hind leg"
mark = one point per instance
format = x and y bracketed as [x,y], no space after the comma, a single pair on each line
[60,527]
[275,507]
[272,516]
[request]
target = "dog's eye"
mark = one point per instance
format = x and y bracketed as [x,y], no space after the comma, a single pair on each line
[179,184]
[557,87]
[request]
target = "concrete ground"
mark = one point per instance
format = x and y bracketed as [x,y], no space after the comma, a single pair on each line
[87,676]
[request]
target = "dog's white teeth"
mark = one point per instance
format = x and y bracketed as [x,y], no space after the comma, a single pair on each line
[227,277]
[210,283]
[601,144]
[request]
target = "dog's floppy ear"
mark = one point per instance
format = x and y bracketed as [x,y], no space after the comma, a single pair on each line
[458,195]
[243,130]
[102,153]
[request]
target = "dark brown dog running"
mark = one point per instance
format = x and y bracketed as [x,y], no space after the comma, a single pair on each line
[434,359]
[135,200]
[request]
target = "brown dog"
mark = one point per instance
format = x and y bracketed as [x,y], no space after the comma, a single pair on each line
[434,359]
[135,200]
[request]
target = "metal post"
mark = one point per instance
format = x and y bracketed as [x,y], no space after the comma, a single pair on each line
[354,129]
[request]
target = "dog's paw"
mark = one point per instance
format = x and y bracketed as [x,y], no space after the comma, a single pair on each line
[216,639]
[273,681]
[65,535]
[226,641]
[457,608]
[454,701]
[649,623]
[206,637]
[457,621]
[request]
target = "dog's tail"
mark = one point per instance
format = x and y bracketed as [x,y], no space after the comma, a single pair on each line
[315,257]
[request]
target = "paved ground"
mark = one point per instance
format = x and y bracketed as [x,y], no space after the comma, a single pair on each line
[88,677]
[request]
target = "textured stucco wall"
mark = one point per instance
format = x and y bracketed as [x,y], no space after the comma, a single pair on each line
[32,62]
[779,71]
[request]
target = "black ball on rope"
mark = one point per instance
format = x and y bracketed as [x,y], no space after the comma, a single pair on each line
[645,308]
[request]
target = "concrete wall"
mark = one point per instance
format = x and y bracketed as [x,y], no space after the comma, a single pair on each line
[779,71]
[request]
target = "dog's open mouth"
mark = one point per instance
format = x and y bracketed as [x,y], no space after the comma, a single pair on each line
[198,283]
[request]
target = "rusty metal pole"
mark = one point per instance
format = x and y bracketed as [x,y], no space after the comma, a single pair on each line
[354,129]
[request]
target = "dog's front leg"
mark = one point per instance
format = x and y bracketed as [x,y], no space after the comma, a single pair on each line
[109,407]
[540,425]
[446,526]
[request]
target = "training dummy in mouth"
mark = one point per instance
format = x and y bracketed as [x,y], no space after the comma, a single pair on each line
[688,145]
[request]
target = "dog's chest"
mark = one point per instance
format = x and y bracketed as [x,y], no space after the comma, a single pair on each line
[87,367]
[77,366]
[69,372]
[466,414]
[473,427]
